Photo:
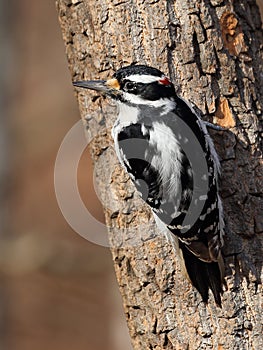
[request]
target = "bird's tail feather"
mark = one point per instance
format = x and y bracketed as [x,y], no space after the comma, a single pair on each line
[203,275]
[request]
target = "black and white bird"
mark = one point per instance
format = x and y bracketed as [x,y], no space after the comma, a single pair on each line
[165,148]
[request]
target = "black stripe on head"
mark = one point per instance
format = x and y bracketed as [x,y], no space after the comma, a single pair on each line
[148,89]
[124,72]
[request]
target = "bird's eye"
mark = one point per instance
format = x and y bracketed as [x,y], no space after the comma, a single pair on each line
[129,86]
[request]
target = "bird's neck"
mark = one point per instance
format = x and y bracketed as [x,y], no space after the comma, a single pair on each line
[131,114]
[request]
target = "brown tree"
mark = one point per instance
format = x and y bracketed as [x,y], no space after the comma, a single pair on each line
[212,50]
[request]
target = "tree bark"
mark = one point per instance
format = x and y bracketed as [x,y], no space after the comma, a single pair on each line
[212,50]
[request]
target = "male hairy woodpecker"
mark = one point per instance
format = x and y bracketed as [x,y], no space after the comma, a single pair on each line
[165,148]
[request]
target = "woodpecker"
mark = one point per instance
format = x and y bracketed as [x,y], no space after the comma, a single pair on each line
[163,144]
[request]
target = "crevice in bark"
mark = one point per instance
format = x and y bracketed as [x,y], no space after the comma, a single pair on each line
[197,54]
[204,30]
[173,26]
[155,326]
[166,340]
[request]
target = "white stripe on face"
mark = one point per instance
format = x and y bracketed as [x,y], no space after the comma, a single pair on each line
[166,102]
[144,78]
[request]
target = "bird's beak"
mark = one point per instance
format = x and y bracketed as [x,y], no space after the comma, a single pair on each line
[110,87]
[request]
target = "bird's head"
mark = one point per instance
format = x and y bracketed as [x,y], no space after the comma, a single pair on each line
[134,85]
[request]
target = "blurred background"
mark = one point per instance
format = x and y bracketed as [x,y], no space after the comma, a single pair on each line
[57,290]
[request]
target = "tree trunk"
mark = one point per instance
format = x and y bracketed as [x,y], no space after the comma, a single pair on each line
[212,50]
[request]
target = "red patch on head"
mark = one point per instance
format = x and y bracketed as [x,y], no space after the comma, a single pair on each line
[165,81]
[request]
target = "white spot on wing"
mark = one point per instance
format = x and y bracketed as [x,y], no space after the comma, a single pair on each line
[203,197]
[208,139]
[208,229]
[144,130]
[221,219]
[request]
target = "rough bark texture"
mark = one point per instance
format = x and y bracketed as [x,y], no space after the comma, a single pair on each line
[212,50]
